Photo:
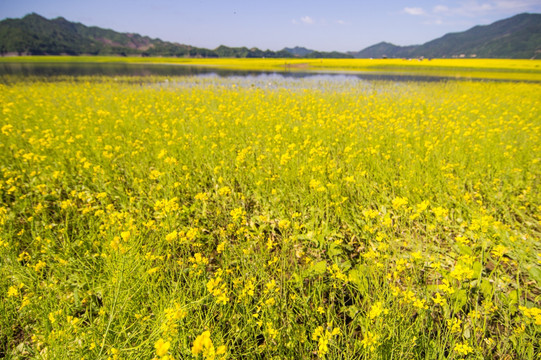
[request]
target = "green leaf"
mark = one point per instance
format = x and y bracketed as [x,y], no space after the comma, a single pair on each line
[334,250]
[535,273]
[513,297]
[319,268]
[467,332]
[486,289]
[297,278]
[461,298]
[352,311]
[477,268]
[346,265]
[465,249]
[357,277]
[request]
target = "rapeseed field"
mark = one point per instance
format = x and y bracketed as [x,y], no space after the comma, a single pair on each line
[514,69]
[208,218]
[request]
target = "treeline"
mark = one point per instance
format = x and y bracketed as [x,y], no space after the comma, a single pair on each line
[36,35]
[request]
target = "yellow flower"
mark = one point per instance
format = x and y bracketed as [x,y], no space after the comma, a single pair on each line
[13,291]
[154,174]
[370,213]
[203,345]
[532,313]
[499,251]
[399,202]
[446,287]
[440,212]
[39,266]
[7,129]
[422,206]
[370,341]
[237,213]
[454,325]
[420,304]
[224,191]
[162,347]
[438,299]
[202,196]
[284,224]
[463,349]
[461,272]
[323,337]
[220,248]
[462,240]
[221,350]
[270,302]
[376,310]
[171,236]
[125,235]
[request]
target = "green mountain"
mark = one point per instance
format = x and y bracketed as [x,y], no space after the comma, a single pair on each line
[384,49]
[298,51]
[36,35]
[518,37]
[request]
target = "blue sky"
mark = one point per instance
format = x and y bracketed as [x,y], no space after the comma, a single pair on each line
[342,25]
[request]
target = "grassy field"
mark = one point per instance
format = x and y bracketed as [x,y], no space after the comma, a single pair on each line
[208,218]
[460,68]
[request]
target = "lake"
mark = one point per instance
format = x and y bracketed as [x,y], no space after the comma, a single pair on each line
[55,69]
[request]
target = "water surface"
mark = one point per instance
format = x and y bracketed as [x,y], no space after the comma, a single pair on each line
[55,69]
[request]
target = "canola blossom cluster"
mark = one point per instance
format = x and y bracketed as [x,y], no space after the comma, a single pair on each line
[213,218]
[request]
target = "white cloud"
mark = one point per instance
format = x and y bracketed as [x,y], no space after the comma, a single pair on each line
[414,11]
[472,8]
[518,5]
[307,20]
[440,9]
[341,22]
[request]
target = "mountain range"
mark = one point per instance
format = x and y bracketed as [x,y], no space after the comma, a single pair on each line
[515,37]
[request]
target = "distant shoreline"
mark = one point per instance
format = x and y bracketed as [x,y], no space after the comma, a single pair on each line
[519,69]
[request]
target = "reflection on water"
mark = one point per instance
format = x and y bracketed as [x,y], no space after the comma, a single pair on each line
[52,70]
[97,69]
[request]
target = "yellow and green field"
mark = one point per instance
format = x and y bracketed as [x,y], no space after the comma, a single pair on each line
[212,218]
[516,69]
